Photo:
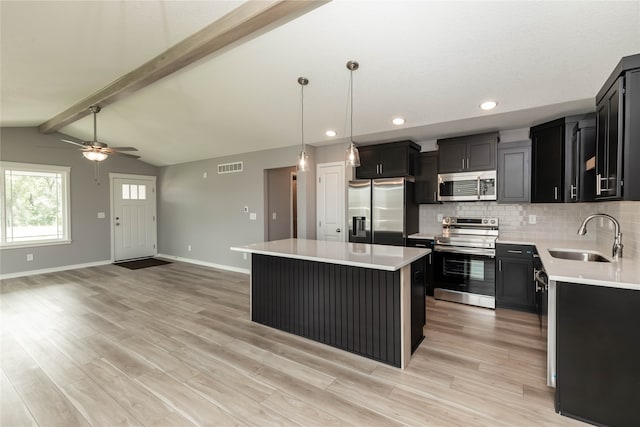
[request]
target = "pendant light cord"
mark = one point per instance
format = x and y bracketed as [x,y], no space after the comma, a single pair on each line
[351,98]
[302,113]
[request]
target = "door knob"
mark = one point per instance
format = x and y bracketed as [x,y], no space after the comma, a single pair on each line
[337,230]
[117,223]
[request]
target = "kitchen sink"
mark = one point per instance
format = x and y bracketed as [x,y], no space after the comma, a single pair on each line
[577,255]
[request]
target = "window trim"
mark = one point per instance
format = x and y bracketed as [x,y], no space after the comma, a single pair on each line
[66,203]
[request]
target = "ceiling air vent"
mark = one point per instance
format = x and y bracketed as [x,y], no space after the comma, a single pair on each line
[230,167]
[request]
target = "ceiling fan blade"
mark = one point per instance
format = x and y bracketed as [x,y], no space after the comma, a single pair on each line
[68,141]
[124,154]
[123,148]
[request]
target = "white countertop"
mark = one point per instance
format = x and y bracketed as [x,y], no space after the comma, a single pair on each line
[624,273]
[379,257]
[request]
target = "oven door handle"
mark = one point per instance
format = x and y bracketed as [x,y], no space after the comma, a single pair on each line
[491,253]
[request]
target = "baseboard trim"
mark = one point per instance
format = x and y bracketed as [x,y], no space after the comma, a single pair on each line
[206,264]
[53,269]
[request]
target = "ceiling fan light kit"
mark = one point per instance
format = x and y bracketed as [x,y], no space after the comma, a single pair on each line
[95,156]
[352,155]
[303,158]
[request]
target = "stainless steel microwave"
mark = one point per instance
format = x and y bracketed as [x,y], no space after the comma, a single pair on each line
[467,186]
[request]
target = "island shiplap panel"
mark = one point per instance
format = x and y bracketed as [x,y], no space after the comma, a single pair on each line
[352,308]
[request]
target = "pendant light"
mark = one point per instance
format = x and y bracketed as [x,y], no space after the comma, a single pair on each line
[303,158]
[352,156]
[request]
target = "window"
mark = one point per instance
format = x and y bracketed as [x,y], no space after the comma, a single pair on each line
[34,205]
[134,192]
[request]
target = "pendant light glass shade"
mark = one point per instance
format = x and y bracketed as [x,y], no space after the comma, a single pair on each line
[303,158]
[352,156]
[95,156]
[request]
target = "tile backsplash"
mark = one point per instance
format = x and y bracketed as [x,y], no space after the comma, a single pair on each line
[559,219]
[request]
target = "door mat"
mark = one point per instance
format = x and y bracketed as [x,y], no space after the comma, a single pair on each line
[141,263]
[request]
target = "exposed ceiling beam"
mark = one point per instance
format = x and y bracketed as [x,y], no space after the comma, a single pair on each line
[250,18]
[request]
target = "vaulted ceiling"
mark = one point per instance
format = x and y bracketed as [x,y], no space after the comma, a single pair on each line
[432,63]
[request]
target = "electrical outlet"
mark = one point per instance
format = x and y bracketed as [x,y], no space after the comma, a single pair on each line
[244,255]
[101,215]
[532,219]
[29,257]
[253,216]
[439,217]
[204,175]
[273,216]
[189,248]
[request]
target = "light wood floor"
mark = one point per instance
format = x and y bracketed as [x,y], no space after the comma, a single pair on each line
[172,345]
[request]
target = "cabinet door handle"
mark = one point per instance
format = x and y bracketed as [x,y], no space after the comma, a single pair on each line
[467,163]
[574,192]
[381,166]
[435,196]
[429,259]
[499,265]
[555,193]
[463,163]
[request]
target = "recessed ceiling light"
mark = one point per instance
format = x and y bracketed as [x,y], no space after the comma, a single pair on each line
[398,121]
[330,133]
[488,105]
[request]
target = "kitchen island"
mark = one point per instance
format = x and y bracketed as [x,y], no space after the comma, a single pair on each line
[358,297]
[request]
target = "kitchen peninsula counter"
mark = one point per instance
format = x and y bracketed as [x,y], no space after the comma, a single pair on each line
[362,298]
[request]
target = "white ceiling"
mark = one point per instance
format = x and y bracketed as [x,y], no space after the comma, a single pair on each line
[429,62]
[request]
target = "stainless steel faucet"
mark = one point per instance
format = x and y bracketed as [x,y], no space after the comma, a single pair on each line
[616,251]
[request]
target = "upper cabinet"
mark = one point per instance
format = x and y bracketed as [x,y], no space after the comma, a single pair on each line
[617,175]
[387,160]
[547,162]
[426,174]
[559,153]
[514,172]
[467,153]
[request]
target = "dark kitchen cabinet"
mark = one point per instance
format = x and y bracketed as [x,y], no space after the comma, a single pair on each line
[428,276]
[547,162]
[467,153]
[515,284]
[388,160]
[418,302]
[426,175]
[559,151]
[617,133]
[514,172]
[597,354]
[582,179]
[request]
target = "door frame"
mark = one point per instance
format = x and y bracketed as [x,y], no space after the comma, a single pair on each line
[112,177]
[344,196]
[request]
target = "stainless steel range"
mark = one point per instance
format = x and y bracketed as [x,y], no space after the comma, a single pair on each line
[464,261]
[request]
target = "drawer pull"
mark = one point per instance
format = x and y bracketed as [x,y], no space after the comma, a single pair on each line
[513,251]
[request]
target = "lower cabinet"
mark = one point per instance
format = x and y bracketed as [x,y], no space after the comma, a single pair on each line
[598,349]
[515,284]
[418,308]
[428,275]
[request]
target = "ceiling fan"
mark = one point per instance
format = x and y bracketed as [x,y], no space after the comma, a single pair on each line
[98,151]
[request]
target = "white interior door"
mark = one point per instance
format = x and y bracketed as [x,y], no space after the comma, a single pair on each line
[133,216]
[330,202]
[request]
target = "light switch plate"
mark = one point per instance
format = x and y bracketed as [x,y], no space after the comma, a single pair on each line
[273,216]
[101,215]
[246,209]
[439,217]
[532,219]
[252,216]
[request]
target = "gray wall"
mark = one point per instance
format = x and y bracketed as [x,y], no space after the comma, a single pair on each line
[207,213]
[91,237]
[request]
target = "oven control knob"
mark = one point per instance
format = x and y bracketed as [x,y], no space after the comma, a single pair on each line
[453,220]
[446,220]
[493,221]
[484,221]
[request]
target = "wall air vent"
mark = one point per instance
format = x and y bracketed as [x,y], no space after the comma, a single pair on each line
[230,167]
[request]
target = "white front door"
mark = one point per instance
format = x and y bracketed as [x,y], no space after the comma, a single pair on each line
[330,202]
[133,216]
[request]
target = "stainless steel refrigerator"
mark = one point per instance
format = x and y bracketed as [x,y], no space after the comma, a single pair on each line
[382,211]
